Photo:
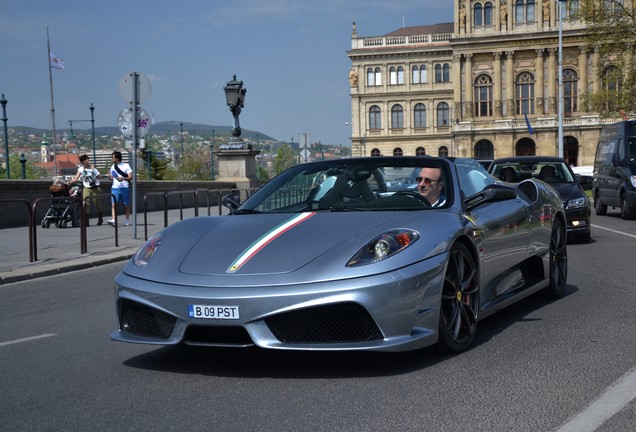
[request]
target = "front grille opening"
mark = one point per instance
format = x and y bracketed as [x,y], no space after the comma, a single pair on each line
[141,320]
[344,322]
[217,336]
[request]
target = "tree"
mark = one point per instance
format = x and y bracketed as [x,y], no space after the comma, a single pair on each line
[158,167]
[262,174]
[611,29]
[31,171]
[285,158]
[192,167]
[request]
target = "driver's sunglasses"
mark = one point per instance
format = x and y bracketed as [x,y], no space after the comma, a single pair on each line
[426,180]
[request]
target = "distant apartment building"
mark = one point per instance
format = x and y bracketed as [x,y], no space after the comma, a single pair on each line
[466,88]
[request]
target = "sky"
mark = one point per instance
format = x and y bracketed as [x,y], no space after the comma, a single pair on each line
[290,55]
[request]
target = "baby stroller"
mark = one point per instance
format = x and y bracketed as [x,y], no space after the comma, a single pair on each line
[62,211]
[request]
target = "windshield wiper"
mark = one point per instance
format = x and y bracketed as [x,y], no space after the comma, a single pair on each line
[346,209]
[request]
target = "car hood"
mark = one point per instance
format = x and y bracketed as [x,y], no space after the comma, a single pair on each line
[288,248]
[568,191]
[266,244]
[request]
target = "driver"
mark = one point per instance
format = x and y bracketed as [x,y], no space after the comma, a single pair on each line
[430,185]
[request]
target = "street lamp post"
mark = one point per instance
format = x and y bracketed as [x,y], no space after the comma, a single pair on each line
[149,162]
[212,157]
[182,148]
[235,98]
[23,160]
[92,120]
[92,108]
[560,98]
[3,101]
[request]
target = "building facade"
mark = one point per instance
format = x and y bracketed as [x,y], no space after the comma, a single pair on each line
[485,86]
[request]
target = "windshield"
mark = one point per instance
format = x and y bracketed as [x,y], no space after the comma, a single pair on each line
[549,171]
[363,184]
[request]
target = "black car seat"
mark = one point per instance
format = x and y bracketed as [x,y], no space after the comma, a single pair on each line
[547,172]
[351,187]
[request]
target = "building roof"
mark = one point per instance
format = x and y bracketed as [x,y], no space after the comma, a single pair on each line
[68,161]
[422,30]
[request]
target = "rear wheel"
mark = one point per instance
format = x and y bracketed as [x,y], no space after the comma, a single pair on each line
[626,211]
[601,209]
[558,261]
[460,301]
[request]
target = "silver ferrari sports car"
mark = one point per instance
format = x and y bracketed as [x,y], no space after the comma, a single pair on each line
[381,253]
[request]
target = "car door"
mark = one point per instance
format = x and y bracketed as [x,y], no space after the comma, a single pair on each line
[504,228]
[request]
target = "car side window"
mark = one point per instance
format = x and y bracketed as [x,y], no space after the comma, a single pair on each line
[621,149]
[632,150]
[473,177]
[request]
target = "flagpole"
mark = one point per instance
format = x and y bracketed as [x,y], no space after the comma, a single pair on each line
[48,47]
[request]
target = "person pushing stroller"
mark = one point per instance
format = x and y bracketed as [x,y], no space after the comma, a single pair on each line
[89,176]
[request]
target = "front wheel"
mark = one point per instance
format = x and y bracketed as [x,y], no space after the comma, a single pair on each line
[599,208]
[626,211]
[460,301]
[558,261]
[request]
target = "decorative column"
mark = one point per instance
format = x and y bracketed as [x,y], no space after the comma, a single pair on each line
[510,84]
[497,85]
[582,87]
[469,21]
[629,47]
[552,91]
[553,14]
[596,66]
[468,75]
[457,86]
[540,89]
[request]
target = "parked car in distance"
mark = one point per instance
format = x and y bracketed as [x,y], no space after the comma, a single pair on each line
[344,254]
[615,169]
[558,174]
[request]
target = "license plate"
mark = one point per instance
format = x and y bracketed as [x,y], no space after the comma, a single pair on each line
[213,312]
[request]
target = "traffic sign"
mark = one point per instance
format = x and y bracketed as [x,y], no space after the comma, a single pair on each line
[126,88]
[125,122]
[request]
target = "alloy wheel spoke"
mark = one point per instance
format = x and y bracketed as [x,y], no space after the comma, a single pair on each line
[453,317]
[458,322]
[469,315]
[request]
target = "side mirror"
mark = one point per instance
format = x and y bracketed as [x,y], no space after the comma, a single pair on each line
[616,159]
[232,201]
[492,193]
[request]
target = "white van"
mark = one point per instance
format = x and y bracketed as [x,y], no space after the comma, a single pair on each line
[614,181]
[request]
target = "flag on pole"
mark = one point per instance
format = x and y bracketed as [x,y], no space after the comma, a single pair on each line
[57,62]
[529,125]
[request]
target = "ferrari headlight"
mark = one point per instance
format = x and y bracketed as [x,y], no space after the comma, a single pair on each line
[146,252]
[384,246]
[577,202]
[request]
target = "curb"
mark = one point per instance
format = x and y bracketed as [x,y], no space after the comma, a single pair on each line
[26,273]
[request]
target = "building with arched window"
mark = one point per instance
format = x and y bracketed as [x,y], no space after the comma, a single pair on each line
[493,85]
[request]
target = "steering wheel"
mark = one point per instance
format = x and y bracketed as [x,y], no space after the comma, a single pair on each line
[415,195]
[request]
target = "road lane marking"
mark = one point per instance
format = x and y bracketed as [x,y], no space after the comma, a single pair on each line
[622,392]
[614,231]
[27,339]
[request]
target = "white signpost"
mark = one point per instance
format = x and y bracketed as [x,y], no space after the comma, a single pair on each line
[134,122]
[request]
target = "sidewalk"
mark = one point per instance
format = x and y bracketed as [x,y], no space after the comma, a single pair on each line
[59,249]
